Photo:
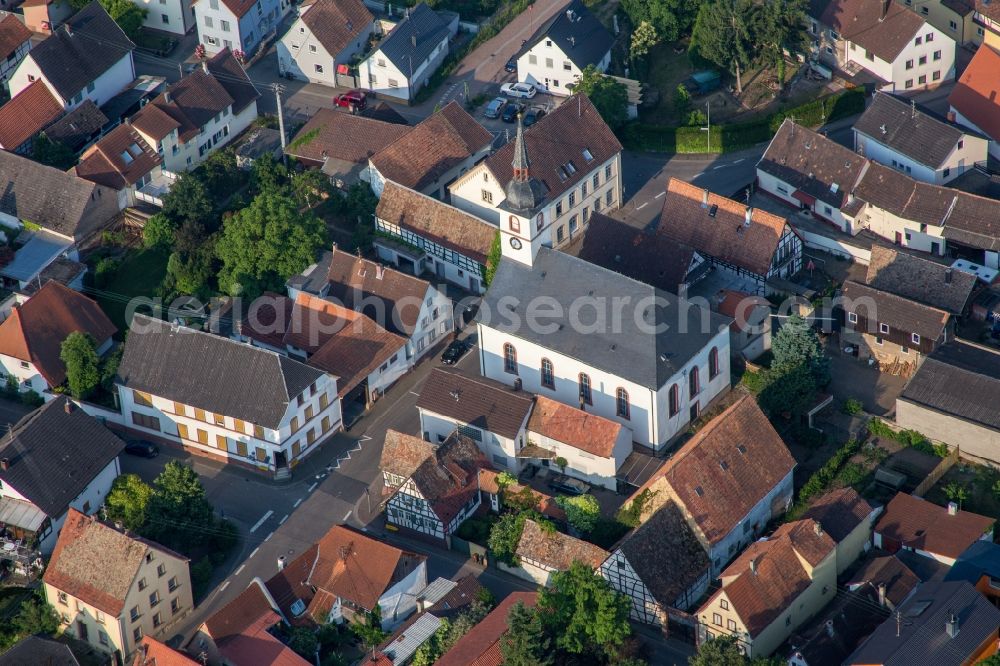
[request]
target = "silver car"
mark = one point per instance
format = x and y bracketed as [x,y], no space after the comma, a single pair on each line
[521,90]
[494,108]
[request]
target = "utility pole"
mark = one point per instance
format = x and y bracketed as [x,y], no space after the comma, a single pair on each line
[180,69]
[281,123]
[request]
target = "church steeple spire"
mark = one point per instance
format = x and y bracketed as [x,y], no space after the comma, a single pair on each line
[520,162]
[524,192]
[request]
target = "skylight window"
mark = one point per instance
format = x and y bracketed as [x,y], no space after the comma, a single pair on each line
[135,150]
[587,155]
[570,167]
[126,157]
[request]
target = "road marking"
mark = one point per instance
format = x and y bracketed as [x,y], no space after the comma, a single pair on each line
[642,206]
[359,447]
[312,487]
[282,521]
[742,159]
[721,166]
[240,570]
[699,175]
[366,438]
[261,521]
[348,515]
[254,552]
[660,195]
[224,586]
[297,502]
[268,537]
[414,393]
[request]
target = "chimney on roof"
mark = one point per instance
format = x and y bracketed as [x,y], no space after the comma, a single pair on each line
[951,626]
[885,9]
[951,116]
[421,604]
[379,271]
[947,276]
[204,66]
[829,628]
[817,528]
[4,464]
[952,509]
[68,407]
[753,566]
[747,216]
[881,594]
[704,198]
[69,30]
[166,97]
[281,562]
[413,40]
[517,384]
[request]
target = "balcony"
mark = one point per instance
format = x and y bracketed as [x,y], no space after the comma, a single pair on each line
[154,191]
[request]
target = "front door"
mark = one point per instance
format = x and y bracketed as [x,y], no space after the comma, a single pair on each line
[899,238]
[694,411]
[280,459]
[935,248]
[473,285]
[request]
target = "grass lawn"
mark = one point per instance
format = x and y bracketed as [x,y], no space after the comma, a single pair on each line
[140,274]
[666,71]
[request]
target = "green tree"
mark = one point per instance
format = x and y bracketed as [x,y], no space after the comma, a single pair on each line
[682,100]
[369,631]
[158,231]
[432,649]
[311,187]
[956,492]
[128,501]
[264,244]
[609,97]
[83,365]
[188,200]
[525,643]
[109,368]
[270,175]
[303,642]
[582,511]
[788,389]
[189,267]
[776,26]
[504,537]
[644,38]
[128,16]
[672,19]
[797,344]
[36,616]
[721,35]
[178,513]
[582,611]
[720,651]
[53,153]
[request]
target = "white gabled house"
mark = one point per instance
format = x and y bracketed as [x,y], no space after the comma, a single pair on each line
[72,67]
[406,58]
[174,16]
[556,55]
[55,459]
[252,407]
[238,25]
[326,36]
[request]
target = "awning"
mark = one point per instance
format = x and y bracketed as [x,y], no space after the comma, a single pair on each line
[807,199]
[21,514]
[639,468]
[536,452]
[35,255]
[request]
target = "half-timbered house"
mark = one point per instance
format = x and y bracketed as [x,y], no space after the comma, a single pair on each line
[750,245]
[402,454]
[660,566]
[441,492]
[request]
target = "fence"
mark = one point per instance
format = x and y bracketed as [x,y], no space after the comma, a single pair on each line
[942,468]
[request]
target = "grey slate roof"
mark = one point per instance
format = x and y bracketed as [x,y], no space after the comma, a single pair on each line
[55,454]
[913,131]
[85,47]
[424,24]
[959,379]
[922,638]
[583,38]
[211,372]
[477,401]
[78,127]
[919,279]
[54,199]
[38,651]
[624,348]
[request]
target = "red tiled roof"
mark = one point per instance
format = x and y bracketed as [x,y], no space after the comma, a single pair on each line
[28,113]
[556,549]
[403,454]
[862,22]
[577,428]
[923,525]
[722,472]
[105,163]
[449,478]
[250,607]
[267,320]
[438,144]
[546,505]
[339,135]
[152,652]
[13,33]
[839,512]
[976,94]
[35,331]
[887,570]
[687,218]
[480,646]
[336,23]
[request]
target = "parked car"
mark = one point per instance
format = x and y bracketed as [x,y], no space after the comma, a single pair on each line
[511,65]
[142,448]
[532,116]
[512,111]
[352,99]
[521,90]
[455,351]
[568,485]
[494,108]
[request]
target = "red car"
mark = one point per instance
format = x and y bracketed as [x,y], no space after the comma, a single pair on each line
[352,99]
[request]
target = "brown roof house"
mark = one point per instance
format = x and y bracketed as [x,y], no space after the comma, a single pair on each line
[848,519]
[344,575]
[542,551]
[124,162]
[441,491]
[437,239]
[25,116]
[15,42]
[772,588]
[568,166]
[240,634]
[111,589]
[749,245]
[400,303]
[31,337]
[323,40]
[428,158]
[894,44]
[481,645]
[729,480]
[974,101]
[54,460]
[152,652]
[660,566]
[884,580]
[340,144]
[940,533]
[515,428]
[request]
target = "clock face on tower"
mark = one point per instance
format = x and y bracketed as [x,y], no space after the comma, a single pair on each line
[515,243]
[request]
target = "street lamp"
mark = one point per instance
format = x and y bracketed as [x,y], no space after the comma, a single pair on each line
[708,128]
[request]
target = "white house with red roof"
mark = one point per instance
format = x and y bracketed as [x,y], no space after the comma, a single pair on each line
[324,38]
[239,25]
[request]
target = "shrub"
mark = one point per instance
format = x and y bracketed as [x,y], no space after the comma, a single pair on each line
[852,406]
[201,575]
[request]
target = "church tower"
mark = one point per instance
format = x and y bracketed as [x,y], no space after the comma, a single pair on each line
[524,196]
